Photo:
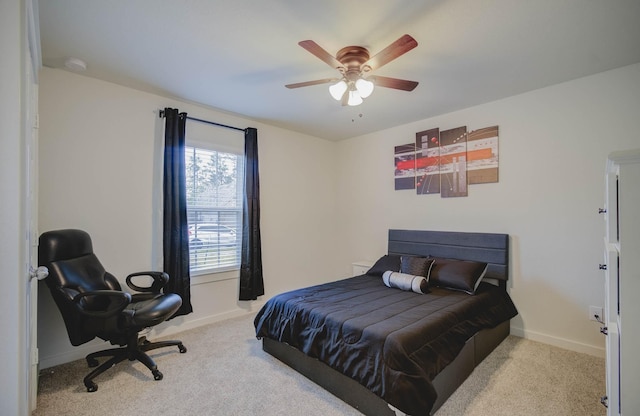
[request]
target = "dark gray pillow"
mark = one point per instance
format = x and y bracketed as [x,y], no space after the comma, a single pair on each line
[384,263]
[417,266]
[463,275]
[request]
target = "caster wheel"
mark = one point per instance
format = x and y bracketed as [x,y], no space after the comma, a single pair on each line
[182,349]
[91,387]
[157,375]
[92,362]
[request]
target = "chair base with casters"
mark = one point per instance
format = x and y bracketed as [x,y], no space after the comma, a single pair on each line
[93,304]
[134,350]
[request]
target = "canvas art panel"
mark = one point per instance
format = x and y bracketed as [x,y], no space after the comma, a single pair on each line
[482,155]
[453,162]
[405,168]
[428,162]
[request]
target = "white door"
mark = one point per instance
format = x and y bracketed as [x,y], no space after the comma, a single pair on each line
[30,203]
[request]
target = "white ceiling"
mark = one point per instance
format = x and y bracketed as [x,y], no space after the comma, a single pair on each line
[237,55]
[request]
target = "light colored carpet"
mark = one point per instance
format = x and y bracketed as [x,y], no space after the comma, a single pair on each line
[523,377]
[225,372]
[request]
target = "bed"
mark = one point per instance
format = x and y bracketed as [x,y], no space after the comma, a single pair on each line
[389,351]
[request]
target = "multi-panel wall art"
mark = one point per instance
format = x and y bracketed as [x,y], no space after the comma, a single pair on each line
[446,162]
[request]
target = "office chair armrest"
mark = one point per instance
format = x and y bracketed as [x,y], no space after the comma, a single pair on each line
[117,302]
[159,280]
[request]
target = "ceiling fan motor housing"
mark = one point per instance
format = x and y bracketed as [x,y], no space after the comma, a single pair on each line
[352,57]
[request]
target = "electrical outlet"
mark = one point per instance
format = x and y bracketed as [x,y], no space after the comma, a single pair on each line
[595,313]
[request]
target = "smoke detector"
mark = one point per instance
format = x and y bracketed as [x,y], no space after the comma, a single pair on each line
[75,64]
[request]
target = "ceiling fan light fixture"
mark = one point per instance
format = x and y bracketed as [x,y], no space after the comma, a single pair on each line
[337,90]
[354,98]
[364,87]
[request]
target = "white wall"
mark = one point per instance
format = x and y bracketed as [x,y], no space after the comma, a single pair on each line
[553,147]
[97,147]
[325,205]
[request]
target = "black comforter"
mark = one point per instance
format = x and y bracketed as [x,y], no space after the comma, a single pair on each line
[391,341]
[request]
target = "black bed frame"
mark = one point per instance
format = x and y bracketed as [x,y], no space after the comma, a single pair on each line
[486,247]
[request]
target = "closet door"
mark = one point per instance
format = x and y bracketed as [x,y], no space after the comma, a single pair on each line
[622,249]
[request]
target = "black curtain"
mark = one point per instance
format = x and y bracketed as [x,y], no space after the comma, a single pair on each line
[251,282]
[175,231]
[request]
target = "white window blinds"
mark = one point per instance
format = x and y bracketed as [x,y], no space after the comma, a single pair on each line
[214,208]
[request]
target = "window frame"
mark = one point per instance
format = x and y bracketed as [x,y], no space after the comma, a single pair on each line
[227,272]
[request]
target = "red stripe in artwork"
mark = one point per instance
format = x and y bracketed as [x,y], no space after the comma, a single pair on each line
[423,162]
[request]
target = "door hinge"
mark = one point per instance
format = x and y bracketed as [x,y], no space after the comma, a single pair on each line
[604,400]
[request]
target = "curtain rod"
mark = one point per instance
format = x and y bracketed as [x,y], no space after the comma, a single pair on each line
[206,122]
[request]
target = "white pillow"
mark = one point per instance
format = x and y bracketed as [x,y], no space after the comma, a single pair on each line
[408,282]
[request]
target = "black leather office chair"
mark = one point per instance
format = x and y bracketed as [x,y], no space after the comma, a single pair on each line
[93,304]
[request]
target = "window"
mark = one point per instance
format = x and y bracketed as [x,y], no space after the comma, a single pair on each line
[214,209]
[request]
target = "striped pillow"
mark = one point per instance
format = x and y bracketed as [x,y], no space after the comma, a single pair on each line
[406,282]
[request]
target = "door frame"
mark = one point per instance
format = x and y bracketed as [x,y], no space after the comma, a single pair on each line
[32,64]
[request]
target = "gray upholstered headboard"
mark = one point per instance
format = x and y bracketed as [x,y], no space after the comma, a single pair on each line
[485,247]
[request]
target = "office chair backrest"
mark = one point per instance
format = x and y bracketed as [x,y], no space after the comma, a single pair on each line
[74,269]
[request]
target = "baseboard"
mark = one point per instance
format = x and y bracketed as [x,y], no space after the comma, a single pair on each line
[80,352]
[166,329]
[76,353]
[187,324]
[559,342]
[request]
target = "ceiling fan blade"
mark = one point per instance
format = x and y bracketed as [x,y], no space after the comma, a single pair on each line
[308,83]
[317,50]
[391,52]
[398,84]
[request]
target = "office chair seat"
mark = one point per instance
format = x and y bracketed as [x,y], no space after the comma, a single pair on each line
[150,312]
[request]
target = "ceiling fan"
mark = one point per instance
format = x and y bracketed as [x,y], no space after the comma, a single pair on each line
[355,65]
